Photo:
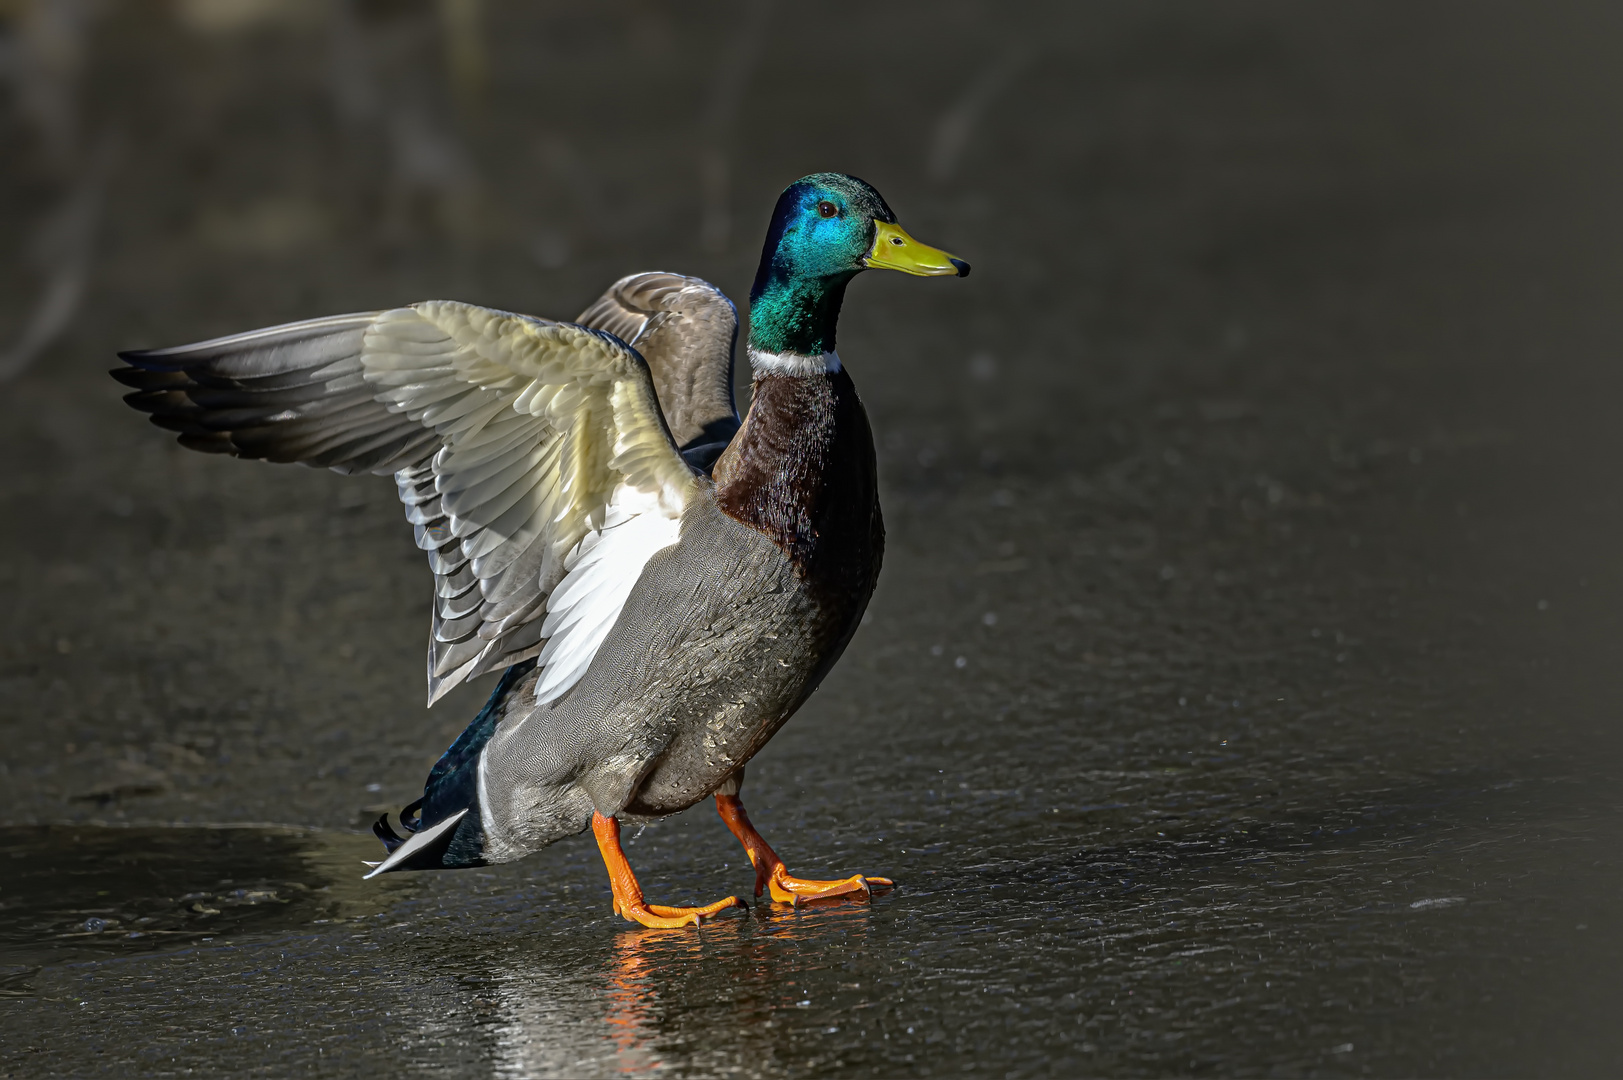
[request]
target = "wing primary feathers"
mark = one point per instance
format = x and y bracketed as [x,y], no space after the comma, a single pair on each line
[516,444]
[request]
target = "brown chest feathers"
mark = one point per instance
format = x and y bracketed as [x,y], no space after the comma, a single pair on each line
[801,470]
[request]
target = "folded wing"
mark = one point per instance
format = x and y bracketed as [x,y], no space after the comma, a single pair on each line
[532,458]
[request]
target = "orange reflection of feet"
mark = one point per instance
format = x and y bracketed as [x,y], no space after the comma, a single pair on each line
[627,1012]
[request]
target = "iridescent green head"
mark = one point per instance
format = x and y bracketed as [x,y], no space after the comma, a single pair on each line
[827,228]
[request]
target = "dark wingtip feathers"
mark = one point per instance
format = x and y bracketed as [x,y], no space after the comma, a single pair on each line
[129,376]
[282,394]
[147,379]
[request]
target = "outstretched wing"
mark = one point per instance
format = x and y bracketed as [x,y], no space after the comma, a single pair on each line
[531,456]
[685,328]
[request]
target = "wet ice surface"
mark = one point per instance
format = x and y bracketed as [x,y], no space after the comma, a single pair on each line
[1265,950]
[81,891]
[1240,694]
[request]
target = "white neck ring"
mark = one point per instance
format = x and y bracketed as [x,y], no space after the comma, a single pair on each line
[787,363]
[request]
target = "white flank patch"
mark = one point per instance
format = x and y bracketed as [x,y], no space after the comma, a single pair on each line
[788,363]
[600,573]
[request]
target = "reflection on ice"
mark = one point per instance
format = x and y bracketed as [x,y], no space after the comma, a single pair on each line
[586,1022]
[710,1001]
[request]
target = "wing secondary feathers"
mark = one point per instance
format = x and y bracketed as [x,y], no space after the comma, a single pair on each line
[519,446]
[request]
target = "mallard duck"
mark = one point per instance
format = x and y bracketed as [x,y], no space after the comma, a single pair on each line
[662,585]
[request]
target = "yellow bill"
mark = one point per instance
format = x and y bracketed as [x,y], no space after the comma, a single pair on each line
[893,249]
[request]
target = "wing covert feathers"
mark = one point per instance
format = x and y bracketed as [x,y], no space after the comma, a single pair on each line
[512,440]
[686,329]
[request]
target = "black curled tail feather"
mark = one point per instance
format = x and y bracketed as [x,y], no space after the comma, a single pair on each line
[453,786]
[409,820]
[381,830]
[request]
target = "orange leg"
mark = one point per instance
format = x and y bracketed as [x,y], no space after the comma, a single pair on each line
[770,873]
[628,901]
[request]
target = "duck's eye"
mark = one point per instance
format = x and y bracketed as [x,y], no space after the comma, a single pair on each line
[827,209]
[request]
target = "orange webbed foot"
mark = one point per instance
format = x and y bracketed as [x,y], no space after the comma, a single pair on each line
[660,917]
[628,900]
[788,889]
[770,873]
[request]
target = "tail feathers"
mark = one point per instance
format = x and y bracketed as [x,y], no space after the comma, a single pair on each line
[409,820]
[391,840]
[451,793]
[424,850]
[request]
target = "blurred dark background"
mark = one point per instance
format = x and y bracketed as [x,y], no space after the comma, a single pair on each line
[1241,691]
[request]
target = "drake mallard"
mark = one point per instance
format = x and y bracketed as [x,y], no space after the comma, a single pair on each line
[663,585]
